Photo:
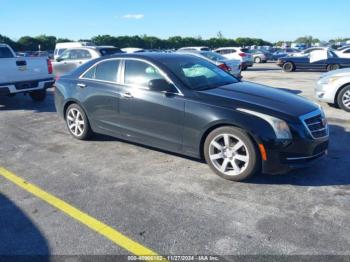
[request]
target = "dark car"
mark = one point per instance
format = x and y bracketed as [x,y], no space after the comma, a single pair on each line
[184,104]
[332,62]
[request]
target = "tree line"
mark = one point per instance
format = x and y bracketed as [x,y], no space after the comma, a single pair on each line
[28,43]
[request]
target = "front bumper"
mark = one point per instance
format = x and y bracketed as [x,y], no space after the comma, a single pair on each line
[325,92]
[282,158]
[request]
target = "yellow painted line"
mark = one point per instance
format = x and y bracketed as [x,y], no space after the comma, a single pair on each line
[96,225]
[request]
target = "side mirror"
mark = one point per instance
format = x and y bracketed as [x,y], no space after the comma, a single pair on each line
[161,85]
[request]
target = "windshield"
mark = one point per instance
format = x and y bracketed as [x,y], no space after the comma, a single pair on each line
[213,56]
[198,74]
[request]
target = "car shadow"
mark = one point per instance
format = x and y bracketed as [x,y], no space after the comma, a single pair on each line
[257,69]
[24,102]
[20,238]
[332,170]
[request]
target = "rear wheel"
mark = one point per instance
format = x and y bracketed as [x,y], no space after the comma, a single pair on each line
[231,154]
[77,122]
[333,67]
[38,95]
[343,98]
[257,60]
[288,67]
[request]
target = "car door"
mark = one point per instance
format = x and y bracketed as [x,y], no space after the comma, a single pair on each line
[99,91]
[150,117]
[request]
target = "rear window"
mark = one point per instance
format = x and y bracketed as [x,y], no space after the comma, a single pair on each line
[109,51]
[213,56]
[5,53]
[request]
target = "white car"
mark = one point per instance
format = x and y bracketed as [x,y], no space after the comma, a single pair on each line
[130,50]
[194,48]
[61,47]
[72,58]
[237,53]
[343,53]
[334,88]
[32,75]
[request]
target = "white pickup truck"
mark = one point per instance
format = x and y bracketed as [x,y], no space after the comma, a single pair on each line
[32,75]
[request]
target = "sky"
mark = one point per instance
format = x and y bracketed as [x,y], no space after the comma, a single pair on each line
[271,20]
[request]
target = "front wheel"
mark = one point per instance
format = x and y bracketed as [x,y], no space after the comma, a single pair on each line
[38,95]
[288,67]
[344,98]
[231,154]
[257,60]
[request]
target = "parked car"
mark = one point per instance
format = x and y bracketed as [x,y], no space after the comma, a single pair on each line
[334,88]
[61,47]
[75,57]
[344,52]
[260,56]
[131,50]
[194,48]
[32,75]
[229,65]
[187,105]
[309,50]
[238,53]
[283,53]
[329,63]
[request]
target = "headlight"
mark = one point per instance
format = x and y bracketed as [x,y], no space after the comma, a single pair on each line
[280,126]
[328,80]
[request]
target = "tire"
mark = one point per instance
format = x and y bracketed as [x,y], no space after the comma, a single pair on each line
[222,148]
[288,67]
[77,122]
[257,60]
[333,67]
[343,99]
[38,95]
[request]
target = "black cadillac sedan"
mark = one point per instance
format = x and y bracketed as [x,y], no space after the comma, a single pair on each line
[330,62]
[184,104]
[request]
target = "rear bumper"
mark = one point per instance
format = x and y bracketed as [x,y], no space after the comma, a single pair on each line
[25,86]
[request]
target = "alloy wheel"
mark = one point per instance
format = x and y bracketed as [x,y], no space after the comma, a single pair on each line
[229,154]
[346,99]
[75,121]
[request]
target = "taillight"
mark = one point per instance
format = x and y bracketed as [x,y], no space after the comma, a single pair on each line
[224,67]
[49,66]
[242,54]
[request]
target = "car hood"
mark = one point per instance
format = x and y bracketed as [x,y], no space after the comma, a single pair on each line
[269,100]
[339,72]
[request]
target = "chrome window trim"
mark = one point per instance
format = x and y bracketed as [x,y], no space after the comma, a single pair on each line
[151,64]
[310,115]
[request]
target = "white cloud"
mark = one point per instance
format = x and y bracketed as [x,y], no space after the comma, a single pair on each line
[133,16]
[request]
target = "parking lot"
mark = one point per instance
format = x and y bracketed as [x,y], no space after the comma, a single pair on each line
[168,203]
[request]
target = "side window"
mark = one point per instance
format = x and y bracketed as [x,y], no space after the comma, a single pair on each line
[140,73]
[83,54]
[66,55]
[105,71]
[347,51]
[74,54]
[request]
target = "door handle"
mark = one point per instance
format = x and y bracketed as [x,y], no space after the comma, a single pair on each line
[81,85]
[127,95]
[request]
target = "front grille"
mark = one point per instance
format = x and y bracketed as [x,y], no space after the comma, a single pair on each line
[316,124]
